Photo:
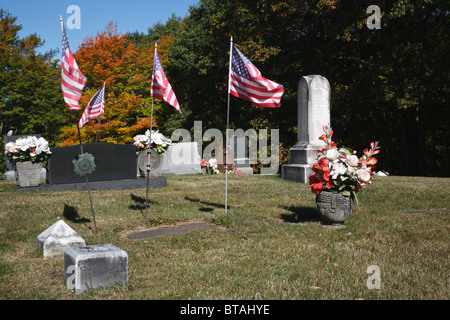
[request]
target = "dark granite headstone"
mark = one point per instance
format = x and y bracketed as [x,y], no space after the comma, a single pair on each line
[112,162]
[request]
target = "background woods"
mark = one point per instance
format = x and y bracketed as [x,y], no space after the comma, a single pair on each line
[389,85]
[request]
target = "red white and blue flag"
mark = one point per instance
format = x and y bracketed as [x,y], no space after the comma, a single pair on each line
[246,82]
[95,108]
[160,87]
[72,80]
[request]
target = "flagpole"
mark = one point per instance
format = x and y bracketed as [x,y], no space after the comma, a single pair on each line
[98,128]
[228,124]
[62,26]
[87,181]
[81,149]
[151,128]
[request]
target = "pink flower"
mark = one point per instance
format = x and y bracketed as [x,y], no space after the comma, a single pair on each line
[10,148]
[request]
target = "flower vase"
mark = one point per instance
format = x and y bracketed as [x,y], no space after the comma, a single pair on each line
[335,208]
[28,174]
[155,162]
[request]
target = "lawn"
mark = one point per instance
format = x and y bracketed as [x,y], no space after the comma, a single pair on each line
[270,244]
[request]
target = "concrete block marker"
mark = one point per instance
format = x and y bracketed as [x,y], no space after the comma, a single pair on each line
[58,238]
[96,266]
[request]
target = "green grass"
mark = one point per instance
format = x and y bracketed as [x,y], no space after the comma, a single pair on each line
[271,244]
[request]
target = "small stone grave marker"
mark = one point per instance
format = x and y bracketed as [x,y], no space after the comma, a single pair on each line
[96,266]
[58,238]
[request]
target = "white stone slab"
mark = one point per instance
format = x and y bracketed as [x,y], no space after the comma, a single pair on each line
[96,266]
[181,158]
[58,238]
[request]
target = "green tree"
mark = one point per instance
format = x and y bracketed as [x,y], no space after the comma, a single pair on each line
[389,84]
[126,69]
[27,106]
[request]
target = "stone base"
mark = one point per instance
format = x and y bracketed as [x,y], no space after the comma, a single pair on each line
[303,154]
[335,226]
[139,182]
[97,266]
[296,172]
[11,174]
[245,170]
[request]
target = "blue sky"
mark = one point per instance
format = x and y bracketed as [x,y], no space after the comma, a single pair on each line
[42,17]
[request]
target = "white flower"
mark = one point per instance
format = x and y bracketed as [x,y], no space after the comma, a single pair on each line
[23,143]
[212,162]
[338,169]
[332,154]
[156,138]
[363,175]
[351,170]
[144,138]
[33,141]
[352,160]
[41,146]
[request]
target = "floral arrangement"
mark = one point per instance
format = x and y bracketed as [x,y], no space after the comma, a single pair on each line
[28,149]
[159,142]
[212,167]
[340,170]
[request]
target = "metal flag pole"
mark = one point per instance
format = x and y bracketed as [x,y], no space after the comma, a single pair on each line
[81,149]
[98,128]
[228,124]
[98,125]
[150,143]
[87,181]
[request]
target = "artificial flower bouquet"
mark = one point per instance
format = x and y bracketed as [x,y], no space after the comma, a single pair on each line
[211,167]
[28,148]
[159,142]
[340,170]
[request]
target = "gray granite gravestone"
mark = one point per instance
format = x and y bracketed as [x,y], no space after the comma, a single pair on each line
[95,266]
[240,151]
[313,113]
[181,158]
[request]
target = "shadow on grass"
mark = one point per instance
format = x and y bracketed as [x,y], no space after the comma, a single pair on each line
[216,205]
[71,214]
[140,203]
[300,215]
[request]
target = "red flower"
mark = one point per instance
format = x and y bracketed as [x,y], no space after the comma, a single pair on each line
[323,137]
[331,144]
[323,164]
[316,184]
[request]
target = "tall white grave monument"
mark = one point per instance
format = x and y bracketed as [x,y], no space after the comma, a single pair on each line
[313,113]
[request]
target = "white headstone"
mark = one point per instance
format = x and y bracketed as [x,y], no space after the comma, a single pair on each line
[96,266]
[58,238]
[181,158]
[313,113]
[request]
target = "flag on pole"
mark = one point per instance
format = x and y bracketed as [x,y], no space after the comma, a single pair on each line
[160,87]
[72,80]
[94,109]
[248,83]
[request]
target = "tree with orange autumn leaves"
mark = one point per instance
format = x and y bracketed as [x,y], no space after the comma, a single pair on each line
[126,70]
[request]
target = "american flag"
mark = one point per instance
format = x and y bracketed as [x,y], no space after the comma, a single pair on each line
[95,108]
[72,80]
[247,83]
[161,88]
